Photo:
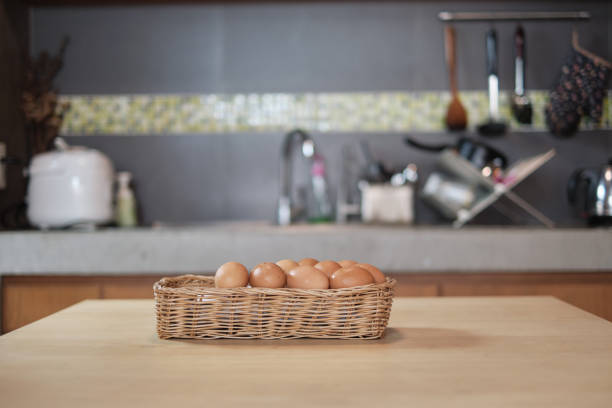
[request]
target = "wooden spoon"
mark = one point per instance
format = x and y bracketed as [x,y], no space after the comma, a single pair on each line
[456,116]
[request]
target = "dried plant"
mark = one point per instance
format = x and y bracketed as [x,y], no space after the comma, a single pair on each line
[39,99]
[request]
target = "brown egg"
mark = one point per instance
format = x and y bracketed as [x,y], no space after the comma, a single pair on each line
[308,262]
[307,277]
[346,262]
[231,275]
[349,277]
[378,276]
[328,267]
[287,264]
[268,275]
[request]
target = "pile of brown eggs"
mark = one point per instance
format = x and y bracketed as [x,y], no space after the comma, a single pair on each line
[305,274]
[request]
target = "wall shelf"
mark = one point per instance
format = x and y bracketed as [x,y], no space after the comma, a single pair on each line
[450,16]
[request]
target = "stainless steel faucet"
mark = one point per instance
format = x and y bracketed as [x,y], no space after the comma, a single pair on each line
[285,211]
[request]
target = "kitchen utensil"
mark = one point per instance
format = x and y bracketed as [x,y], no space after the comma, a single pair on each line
[447,195]
[579,91]
[71,185]
[375,171]
[480,155]
[408,175]
[493,126]
[456,116]
[390,202]
[348,195]
[521,105]
[589,191]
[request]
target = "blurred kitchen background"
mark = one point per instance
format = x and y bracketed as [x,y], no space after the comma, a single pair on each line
[195,101]
[238,48]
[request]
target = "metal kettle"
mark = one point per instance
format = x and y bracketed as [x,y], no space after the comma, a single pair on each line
[589,191]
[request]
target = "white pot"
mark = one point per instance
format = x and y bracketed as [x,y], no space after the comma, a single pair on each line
[71,186]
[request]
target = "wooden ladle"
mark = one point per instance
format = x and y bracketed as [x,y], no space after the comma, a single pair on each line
[456,115]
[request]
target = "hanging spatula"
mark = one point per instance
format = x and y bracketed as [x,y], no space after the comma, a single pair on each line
[456,116]
[521,105]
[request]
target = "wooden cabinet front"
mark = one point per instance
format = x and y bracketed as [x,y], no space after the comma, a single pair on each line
[25,300]
[29,298]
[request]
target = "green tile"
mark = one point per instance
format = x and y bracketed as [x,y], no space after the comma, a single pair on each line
[325,112]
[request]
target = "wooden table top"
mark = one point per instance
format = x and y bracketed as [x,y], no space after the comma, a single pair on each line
[489,352]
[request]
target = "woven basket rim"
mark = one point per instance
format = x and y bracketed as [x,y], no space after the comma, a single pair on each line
[160,287]
[190,307]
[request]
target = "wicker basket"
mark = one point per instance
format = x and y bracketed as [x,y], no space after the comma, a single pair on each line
[190,307]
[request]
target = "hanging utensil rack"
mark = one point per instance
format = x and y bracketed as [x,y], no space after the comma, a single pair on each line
[465,16]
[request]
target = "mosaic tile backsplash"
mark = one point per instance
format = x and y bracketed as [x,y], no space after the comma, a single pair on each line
[170,114]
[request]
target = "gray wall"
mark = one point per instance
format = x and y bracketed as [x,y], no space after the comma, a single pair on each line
[294,48]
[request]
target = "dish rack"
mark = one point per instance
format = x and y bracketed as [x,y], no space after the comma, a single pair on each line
[190,307]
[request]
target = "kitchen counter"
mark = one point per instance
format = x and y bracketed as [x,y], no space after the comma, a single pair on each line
[477,352]
[196,249]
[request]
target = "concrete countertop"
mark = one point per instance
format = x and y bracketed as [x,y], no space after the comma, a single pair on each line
[394,249]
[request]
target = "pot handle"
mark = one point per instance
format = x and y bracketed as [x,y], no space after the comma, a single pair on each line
[519,63]
[430,148]
[491,48]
